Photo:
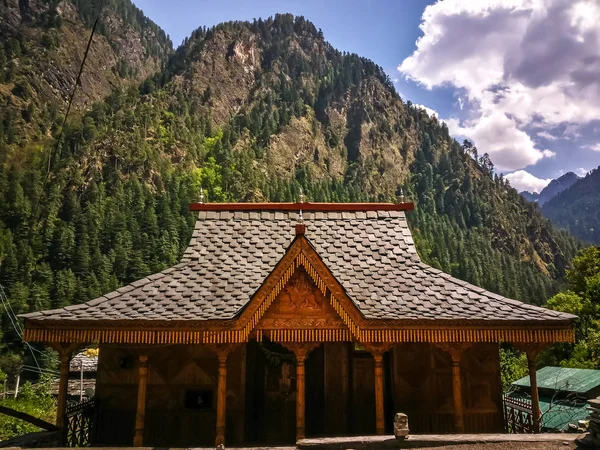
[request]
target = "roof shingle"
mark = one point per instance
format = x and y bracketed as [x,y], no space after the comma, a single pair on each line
[371,254]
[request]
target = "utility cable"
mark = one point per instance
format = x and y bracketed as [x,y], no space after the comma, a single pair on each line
[15,323]
[77,83]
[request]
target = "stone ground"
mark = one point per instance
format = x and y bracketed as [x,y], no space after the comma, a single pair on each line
[543,441]
[506,446]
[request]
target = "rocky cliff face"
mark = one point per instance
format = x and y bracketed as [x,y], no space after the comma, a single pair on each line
[43,44]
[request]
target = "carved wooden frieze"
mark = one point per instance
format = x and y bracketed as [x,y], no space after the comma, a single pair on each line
[300,305]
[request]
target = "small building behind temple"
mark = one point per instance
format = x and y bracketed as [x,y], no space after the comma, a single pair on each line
[83,368]
[286,320]
[563,395]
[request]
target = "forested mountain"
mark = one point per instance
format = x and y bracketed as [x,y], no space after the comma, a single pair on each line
[578,208]
[42,43]
[554,188]
[249,111]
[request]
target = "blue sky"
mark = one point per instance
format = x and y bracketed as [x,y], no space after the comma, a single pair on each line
[517,77]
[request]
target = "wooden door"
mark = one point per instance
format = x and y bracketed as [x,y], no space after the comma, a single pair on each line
[362,377]
[271,394]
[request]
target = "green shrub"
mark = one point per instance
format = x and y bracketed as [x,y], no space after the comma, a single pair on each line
[33,399]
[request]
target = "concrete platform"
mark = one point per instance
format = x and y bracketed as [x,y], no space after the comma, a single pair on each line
[428,440]
[389,442]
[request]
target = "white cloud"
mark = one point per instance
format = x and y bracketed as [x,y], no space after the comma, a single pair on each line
[595,147]
[516,63]
[524,181]
[581,172]
[509,147]
[431,112]
[546,135]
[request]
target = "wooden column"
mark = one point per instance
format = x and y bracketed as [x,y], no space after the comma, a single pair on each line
[140,416]
[459,411]
[377,350]
[535,397]
[221,398]
[64,356]
[533,350]
[455,351]
[222,351]
[379,406]
[300,397]
[63,386]
[301,350]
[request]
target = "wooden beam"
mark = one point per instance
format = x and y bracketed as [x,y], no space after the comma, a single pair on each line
[304,206]
[28,418]
[140,416]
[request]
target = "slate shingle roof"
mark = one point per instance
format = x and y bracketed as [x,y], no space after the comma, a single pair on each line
[371,254]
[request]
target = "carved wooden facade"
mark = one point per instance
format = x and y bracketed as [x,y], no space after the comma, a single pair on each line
[300,358]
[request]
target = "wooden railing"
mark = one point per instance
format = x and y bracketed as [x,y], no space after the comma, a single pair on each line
[518,415]
[80,424]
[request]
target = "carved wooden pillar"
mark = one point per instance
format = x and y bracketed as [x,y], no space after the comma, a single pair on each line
[63,386]
[222,351]
[221,398]
[377,350]
[459,421]
[379,406]
[300,397]
[64,356]
[301,350]
[140,416]
[533,350]
[455,351]
[535,397]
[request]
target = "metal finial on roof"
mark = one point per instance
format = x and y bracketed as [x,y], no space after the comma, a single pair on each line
[300,216]
[401,196]
[201,196]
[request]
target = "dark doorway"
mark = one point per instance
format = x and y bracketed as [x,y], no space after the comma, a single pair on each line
[271,394]
[315,393]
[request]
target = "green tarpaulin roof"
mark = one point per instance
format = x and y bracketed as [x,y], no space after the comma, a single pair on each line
[564,379]
[557,414]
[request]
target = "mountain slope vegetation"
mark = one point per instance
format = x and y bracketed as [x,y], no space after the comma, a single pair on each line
[578,208]
[251,111]
[554,188]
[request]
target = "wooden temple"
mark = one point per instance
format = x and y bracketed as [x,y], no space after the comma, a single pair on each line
[286,320]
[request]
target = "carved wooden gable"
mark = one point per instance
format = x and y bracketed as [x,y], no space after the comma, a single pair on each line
[301,301]
[300,305]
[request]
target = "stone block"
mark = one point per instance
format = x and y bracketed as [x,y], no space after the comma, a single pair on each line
[400,426]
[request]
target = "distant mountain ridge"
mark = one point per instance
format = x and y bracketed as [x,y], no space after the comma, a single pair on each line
[577,208]
[554,188]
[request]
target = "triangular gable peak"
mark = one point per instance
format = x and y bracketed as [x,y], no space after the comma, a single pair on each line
[301,301]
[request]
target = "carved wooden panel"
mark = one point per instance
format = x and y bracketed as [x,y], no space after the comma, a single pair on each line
[482,388]
[300,305]
[363,393]
[423,387]
[337,393]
